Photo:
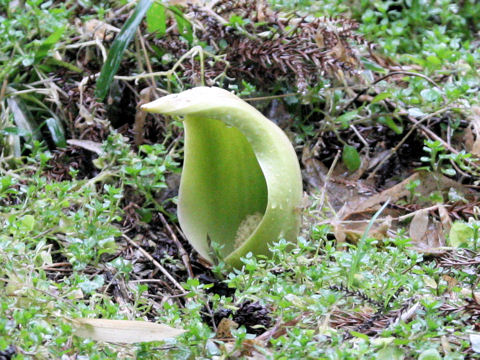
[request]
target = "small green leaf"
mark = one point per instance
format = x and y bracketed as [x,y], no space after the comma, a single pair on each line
[146,215]
[433,60]
[415,112]
[430,354]
[380,97]
[27,222]
[390,353]
[14,131]
[121,42]
[48,43]
[430,94]
[345,119]
[388,121]
[56,62]
[359,335]
[184,27]
[460,233]
[89,286]
[370,65]
[157,19]
[449,172]
[351,158]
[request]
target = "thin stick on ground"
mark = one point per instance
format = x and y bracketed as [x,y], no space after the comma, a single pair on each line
[272,97]
[145,55]
[413,213]
[327,179]
[398,218]
[196,50]
[181,250]
[155,262]
[407,73]
[417,123]
[360,137]
[430,134]
[412,129]
[455,166]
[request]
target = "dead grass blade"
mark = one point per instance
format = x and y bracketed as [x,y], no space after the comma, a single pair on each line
[123,331]
[89,145]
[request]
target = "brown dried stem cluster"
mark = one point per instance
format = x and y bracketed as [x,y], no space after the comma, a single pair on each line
[264,46]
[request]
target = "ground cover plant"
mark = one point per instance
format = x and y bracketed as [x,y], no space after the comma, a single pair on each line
[380,102]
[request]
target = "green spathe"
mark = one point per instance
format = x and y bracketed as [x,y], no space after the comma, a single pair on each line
[241,184]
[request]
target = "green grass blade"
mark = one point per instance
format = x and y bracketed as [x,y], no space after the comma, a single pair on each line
[26,124]
[56,131]
[360,252]
[121,42]
[49,43]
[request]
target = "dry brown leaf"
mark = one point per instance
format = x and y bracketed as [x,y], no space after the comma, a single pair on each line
[89,145]
[393,194]
[446,347]
[472,133]
[354,204]
[248,350]
[452,282]
[444,218]
[250,347]
[338,190]
[435,235]
[452,287]
[225,327]
[429,182]
[138,126]
[97,29]
[418,227]
[123,331]
[315,172]
[353,231]
[427,234]
[339,232]
[468,293]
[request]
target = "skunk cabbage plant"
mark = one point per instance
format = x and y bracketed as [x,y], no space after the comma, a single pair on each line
[241,186]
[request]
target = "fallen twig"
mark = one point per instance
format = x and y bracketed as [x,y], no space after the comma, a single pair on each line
[181,250]
[395,149]
[155,262]
[408,73]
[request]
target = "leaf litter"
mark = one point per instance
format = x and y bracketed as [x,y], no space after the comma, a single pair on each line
[347,200]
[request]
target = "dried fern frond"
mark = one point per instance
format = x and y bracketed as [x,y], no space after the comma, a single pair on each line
[267,46]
